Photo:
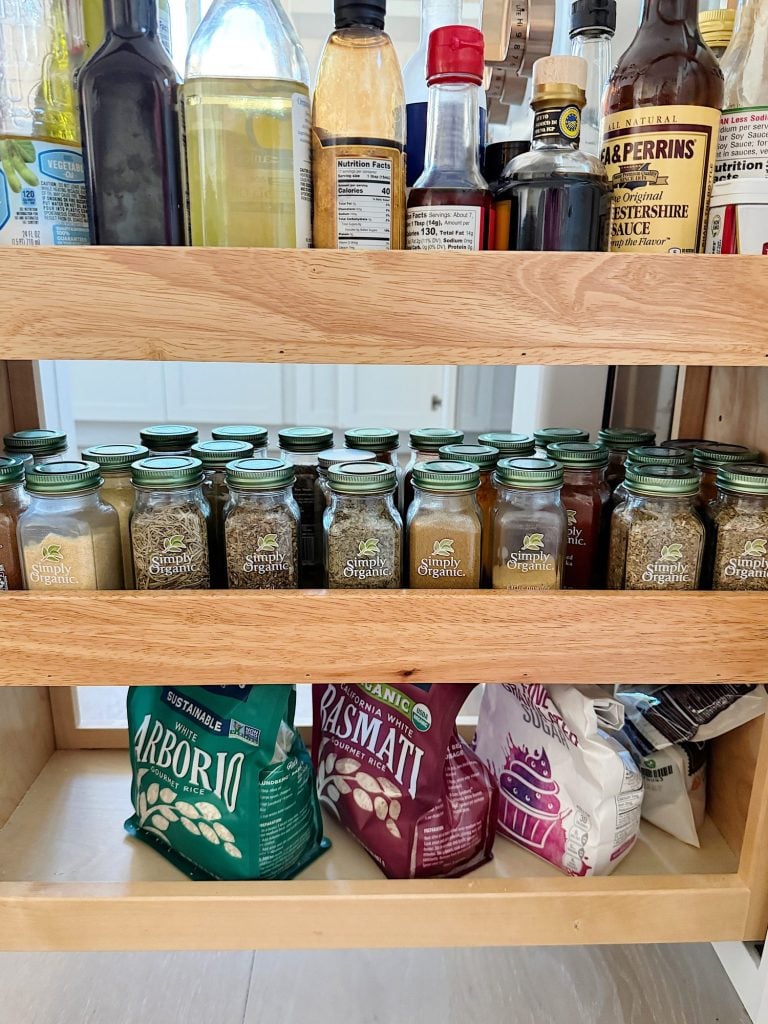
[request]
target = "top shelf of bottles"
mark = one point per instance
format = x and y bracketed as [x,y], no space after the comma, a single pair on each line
[291,306]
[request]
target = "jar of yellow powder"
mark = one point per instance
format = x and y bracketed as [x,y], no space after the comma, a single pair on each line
[115,461]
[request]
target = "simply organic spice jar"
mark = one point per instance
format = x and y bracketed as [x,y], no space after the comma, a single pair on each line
[445,526]
[552,435]
[335,457]
[301,447]
[425,444]
[382,440]
[257,437]
[651,455]
[509,446]
[13,501]
[739,519]
[36,447]
[485,457]
[618,441]
[530,530]
[713,457]
[169,439]
[363,529]
[585,496]
[214,456]
[261,525]
[115,461]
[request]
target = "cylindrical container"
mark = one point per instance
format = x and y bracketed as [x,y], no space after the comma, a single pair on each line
[258,437]
[618,441]
[651,455]
[738,218]
[585,495]
[740,529]
[214,456]
[713,457]
[687,443]
[553,435]
[115,461]
[363,529]
[530,527]
[496,157]
[381,440]
[510,446]
[425,444]
[169,439]
[169,525]
[301,446]
[13,501]
[36,447]
[485,457]
[261,525]
[335,457]
[445,526]
[69,537]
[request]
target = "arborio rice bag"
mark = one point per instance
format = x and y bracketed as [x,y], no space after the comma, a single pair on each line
[222,785]
[393,770]
[568,792]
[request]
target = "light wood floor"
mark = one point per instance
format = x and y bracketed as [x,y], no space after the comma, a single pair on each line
[597,985]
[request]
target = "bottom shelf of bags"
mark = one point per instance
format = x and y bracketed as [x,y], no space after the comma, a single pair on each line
[71,879]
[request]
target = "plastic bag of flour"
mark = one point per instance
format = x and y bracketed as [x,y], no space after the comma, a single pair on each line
[568,792]
[222,785]
[393,770]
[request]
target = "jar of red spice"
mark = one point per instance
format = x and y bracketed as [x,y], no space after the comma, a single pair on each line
[13,501]
[618,441]
[557,435]
[713,457]
[586,497]
[485,457]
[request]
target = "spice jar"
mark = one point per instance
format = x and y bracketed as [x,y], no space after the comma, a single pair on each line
[445,526]
[585,496]
[687,443]
[510,446]
[740,526]
[13,501]
[618,441]
[115,461]
[214,456]
[257,437]
[713,457]
[169,439]
[485,457]
[425,444]
[69,537]
[651,455]
[169,524]
[36,447]
[552,435]
[301,446]
[363,530]
[530,530]
[335,457]
[261,525]
[381,440]
[657,536]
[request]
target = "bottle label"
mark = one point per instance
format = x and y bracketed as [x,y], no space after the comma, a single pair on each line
[42,194]
[742,148]
[660,163]
[444,227]
[302,169]
[364,202]
[558,122]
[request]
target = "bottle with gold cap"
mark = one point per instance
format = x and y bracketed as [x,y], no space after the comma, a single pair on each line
[554,198]
[716,25]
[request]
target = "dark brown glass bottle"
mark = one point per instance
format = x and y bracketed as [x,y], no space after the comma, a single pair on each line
[660,123]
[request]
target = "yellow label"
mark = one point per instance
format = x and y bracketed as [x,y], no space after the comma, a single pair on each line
[660,162]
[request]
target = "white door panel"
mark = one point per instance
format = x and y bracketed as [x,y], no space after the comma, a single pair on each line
[117,390]
[219,392]
[402,397]
[315,396]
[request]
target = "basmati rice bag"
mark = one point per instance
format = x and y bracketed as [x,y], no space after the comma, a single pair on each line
[393,770]
[222,785]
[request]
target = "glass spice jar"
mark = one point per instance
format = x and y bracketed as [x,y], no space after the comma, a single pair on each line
[261,525]
[425,444]
[485,457]
[115,461]
[445,526]
[363,529]
[36,447]
[530,527]
[687,443]
[257,437]
[740,529]
[13,501]
[552,435]
[301,447]
[618,441]
[713,457]
[169,439]
[657,536]
[651,455]
[384,441]
[510,446]
[69,537]
[169,524]
[335,457]
[214,456]
[585,496]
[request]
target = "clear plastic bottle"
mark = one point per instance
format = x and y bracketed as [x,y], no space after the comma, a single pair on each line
[245,110]
[593,24]
[115,461]
[214,456]
[742,148]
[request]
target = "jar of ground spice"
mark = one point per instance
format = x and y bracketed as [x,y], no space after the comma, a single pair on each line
[335,457]
[36,447]
[657,536]
[169,524]
[301,447]
[257,437]
[13,501]
[363,529]
[530,527]
[115,461]
[425,444]
[710,458]
[586,496]
[618,441]
[169,439]
[381,440]
[651,455]
[553,435]
[687,443]
[509,446]
[214,456]
[69,537]
[485,457]
[445,526]
[261,525]
[740,527]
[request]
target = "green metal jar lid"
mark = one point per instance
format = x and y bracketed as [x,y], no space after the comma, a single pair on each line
[662,481]
[11,470]
[579,454]
[37,442]
[484,456]
[530,474]
[564,435]
[509,445]
[260,474]
[335,456]
[305,439]
[216,454]
[165,472]
[169,437]
[688,443]
[621,439]
[656,455]
[114,457]
[63,477]
[714,455]
[372,439]
[432,439]
[362,478]
[446,476]
[744,478]
[256,436]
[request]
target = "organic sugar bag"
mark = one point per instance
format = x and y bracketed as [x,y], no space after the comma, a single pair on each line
[393,770]
[222,785]
[568,792]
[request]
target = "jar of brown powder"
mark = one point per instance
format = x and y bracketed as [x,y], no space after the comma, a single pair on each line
[13,501]
[485,457]
[445,526]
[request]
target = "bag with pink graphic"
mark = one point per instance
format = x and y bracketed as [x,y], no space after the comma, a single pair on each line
[568,791]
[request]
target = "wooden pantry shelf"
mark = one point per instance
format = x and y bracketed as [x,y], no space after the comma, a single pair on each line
[185,637]
[293,306]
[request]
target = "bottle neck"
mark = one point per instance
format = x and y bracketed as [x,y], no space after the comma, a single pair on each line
[434,14]
[131,17]
[556,125]
[453,133]
[671,12]
[594,46]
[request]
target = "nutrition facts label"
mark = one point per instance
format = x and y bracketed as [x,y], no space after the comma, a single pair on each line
[363,203]
[444,227]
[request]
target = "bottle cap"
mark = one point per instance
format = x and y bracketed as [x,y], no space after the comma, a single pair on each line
[359,12]
[593,14]
[64,477]
[216,454]
[560,80]
[446,476]
[167,472]
[714,455]
[257,436]
[660,481]
[716,26]
[362,478]
[484,456]
[621,439]
[455,54]
[114,457]
[38,442]
[168,437]
[260,474]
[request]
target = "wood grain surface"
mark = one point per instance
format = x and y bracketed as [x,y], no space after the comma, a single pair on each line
[26,743]
[395,307]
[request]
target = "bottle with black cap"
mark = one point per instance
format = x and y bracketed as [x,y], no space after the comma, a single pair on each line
[358,134]
[593,24]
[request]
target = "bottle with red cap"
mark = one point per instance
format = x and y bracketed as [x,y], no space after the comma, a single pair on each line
[450,205]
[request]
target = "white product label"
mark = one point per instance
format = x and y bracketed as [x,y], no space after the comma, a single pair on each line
[742,147]
[363,203]
[42,194]
[443,227]
[738,229]
[302,170]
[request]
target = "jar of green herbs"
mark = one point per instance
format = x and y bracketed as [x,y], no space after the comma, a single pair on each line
[739,517]
[651,455]
[363,529]
[214,456]
[115,461]
[169,439]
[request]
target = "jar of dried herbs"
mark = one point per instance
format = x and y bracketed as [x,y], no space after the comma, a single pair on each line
[710,458]
[214,456]
[651,455]
[301,447]
[36,446]
[363,529]
[13,501]
[618,441]
[335,457]
[169,439]
[552,435]
[381,440]
[425,444]
[509,446]
[257,437]
[740,527]
[586,497]
[261,525]
[115,461]
[445,526]
[485,457]
[69,537]
[530,527]
[657,536]
[169,524]
[687,444]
